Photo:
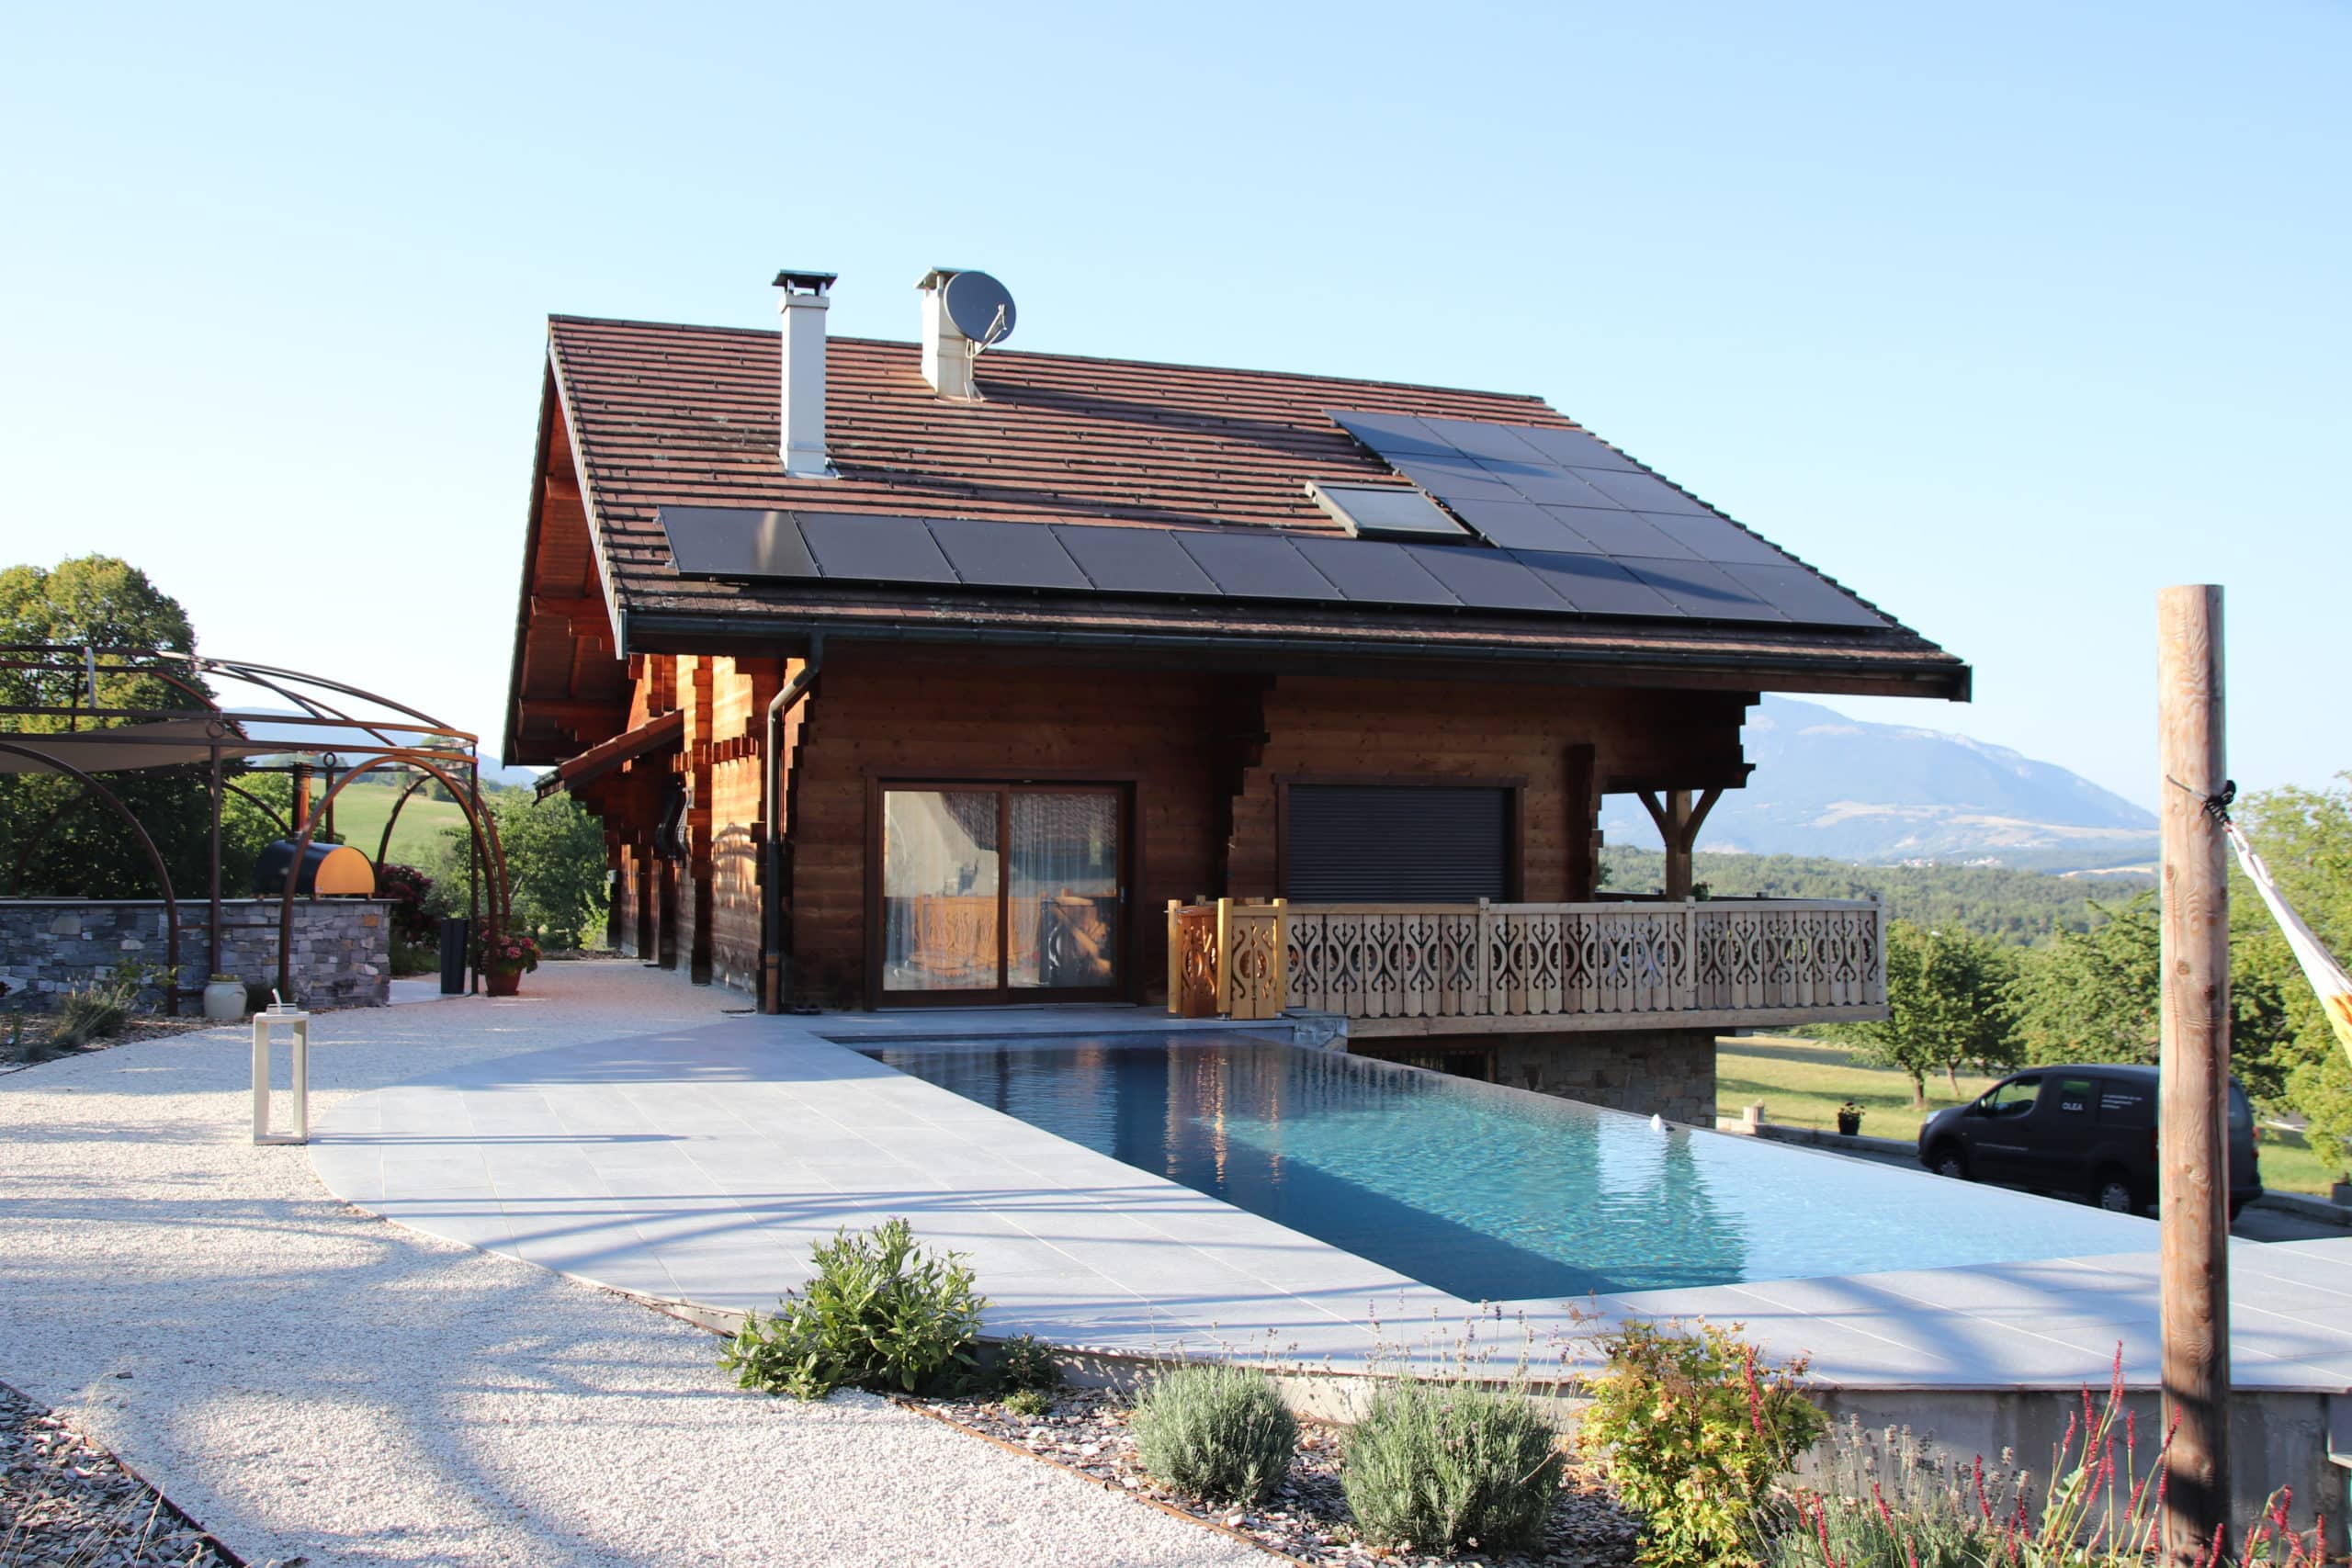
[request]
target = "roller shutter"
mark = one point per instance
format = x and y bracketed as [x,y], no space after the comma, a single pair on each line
[1382,843]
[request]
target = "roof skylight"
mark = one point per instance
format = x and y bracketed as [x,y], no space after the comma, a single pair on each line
[1385,511]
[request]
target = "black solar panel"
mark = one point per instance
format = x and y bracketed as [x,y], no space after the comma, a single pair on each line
[1601,561]
[1528,488]
[1371,572]
[1486,580]
[1598,587]
[1520,526]
[1640,492]
[1803,596]
[1006,555]
[873,548]
[1702,591]
[1247,565]
[1132,560]
[717,541]
[1716,538]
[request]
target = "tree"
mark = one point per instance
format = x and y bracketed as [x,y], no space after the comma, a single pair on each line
[1948,995]
[67,841]
[555,865]
[2094,995]
[2305,837]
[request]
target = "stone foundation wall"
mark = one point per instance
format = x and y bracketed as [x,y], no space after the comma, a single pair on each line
[1651,1072]
[342,947]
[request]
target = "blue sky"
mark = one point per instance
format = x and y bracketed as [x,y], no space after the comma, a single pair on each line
[2005,315]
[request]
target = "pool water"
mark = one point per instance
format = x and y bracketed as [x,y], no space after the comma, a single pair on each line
[1492,1193]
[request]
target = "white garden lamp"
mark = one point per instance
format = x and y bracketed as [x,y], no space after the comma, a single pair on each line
[296,1023]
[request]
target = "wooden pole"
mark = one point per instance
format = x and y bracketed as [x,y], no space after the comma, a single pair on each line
[2193,1152]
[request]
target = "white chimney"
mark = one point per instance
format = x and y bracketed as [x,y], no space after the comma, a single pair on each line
[963,312]
[801,432]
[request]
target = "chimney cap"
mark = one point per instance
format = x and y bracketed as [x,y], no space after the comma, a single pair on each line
[793,278]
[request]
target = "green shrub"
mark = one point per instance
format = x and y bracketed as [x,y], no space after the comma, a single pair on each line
[1696,1432]
[1442,1464]
[881,1313]
[1217,1431]
[1024,1361]
[1029,1402]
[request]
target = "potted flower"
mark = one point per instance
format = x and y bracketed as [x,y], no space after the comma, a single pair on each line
[504,957]
[1850,1120]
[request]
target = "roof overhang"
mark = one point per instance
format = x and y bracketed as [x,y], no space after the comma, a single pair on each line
[653,735]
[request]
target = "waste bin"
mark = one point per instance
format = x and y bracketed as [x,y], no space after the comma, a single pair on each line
[453,956]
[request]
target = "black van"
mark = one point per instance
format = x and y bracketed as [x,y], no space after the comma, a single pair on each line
[2088,1131]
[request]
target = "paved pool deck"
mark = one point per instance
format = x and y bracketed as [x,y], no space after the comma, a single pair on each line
[698,1163]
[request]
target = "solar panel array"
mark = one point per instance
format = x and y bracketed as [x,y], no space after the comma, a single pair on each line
[1621,543]
[1540,490]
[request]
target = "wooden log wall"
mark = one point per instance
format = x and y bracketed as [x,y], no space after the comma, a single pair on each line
[1555,737]
[908,715]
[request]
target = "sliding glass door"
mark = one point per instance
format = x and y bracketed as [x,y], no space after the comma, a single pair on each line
[1002,892]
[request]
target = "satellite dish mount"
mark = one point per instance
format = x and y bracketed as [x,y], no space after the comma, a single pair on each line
[964,313]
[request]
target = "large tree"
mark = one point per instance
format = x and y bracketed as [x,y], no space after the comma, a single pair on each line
[66,843]
[1948,995]
[2305,837]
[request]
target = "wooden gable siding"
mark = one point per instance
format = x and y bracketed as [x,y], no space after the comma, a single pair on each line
[1562,745]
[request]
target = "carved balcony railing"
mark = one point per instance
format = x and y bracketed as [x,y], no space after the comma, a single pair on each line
[1732,962]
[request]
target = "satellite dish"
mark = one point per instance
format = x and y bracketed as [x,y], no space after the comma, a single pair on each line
[980,307]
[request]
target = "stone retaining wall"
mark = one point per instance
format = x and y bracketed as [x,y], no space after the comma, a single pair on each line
[1661,1072]
[342,947]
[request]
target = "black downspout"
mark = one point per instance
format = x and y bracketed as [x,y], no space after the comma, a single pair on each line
[772,976]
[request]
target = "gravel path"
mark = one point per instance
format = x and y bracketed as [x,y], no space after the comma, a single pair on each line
[308,1381]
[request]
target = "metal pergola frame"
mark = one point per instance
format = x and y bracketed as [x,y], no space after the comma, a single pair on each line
[204,732]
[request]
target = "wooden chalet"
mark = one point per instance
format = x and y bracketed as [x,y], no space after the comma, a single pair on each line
[905,673]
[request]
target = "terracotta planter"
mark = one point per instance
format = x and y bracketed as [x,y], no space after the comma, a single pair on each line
[503,982]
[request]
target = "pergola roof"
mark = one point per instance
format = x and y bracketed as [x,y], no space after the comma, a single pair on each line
[165,743]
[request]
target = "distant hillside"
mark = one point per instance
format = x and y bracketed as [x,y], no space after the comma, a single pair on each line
[2013,906]
[1844,789]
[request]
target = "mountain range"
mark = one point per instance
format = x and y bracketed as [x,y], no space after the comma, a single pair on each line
[1885,794]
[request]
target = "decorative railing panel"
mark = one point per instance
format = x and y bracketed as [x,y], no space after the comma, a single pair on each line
[1406,961]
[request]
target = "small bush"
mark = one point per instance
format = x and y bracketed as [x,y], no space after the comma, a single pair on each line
[1696,1433]
[91,1012]
[1029,1402]
[1442,1464]
[882,1314]
[1024,1361]
[1219,1432]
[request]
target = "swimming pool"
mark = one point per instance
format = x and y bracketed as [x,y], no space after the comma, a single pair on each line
[1492,1193]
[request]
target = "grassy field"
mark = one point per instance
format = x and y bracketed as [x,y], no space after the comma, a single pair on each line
[359,814]
[1801,1083]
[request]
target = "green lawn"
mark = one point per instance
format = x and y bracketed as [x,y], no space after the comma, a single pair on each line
[1801,1083]
[359,814]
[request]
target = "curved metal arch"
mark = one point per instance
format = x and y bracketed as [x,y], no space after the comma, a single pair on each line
[154,859]
[384,844]
[485,837]
[266,808]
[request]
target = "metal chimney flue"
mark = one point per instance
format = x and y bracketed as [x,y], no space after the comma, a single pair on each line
[800,439]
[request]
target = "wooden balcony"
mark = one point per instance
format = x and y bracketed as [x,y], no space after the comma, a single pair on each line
[1492,968]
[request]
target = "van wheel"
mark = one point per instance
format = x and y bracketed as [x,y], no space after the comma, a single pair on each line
[1949,1159]
[2115,1192]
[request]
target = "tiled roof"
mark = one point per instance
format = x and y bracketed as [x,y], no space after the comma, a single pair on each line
[661,415]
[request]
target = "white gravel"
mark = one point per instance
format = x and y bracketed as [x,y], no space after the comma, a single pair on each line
[308,1381]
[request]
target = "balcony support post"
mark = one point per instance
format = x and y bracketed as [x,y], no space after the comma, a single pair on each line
[1679,821]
